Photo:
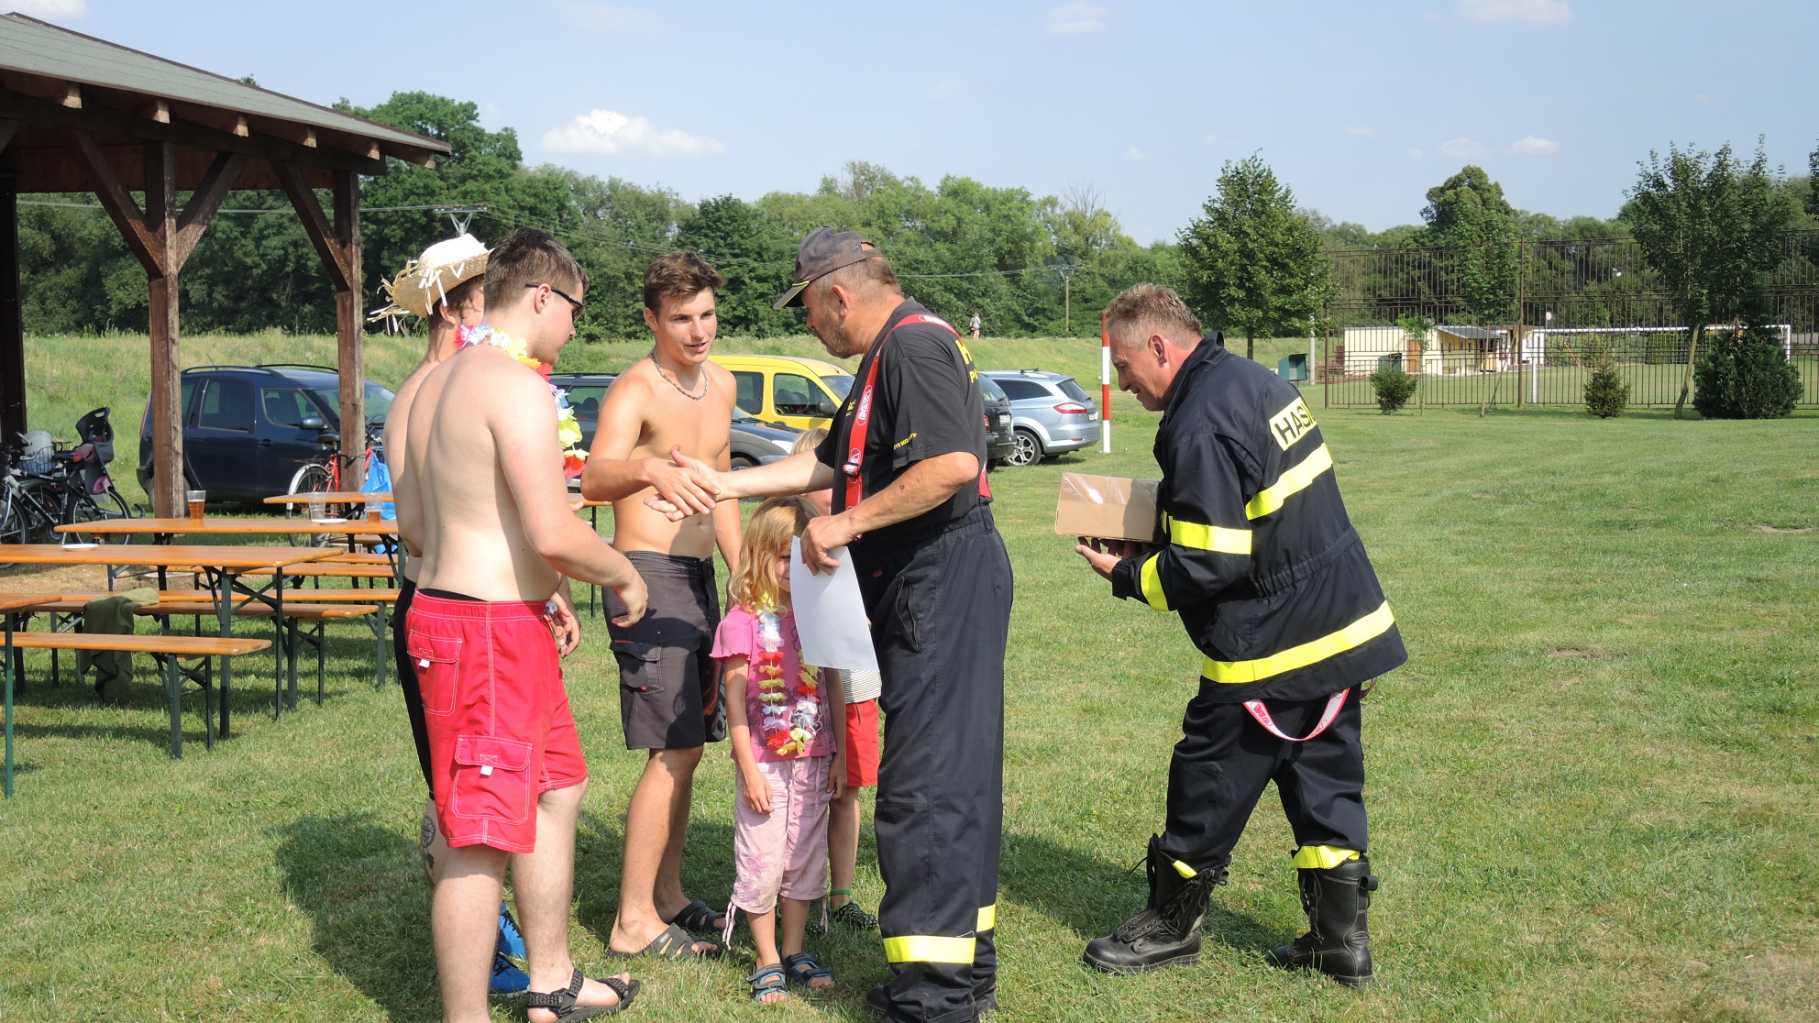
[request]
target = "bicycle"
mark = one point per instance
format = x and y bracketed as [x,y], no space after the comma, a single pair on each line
[71,488]
[324,476]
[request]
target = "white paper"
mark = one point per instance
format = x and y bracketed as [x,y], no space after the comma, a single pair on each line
[830,614]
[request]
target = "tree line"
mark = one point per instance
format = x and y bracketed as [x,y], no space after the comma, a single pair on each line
[1254,262]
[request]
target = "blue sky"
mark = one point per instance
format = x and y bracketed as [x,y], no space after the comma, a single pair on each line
[1359,106]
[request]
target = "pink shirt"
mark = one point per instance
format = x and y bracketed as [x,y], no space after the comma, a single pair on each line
[785,706]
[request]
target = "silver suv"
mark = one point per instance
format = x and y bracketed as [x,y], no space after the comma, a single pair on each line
[1050,413]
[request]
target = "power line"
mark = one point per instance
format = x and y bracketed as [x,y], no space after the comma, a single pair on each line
[583,231]
[439,206]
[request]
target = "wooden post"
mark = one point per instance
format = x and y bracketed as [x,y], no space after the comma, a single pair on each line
[162,325]
[350,361]
[12,322]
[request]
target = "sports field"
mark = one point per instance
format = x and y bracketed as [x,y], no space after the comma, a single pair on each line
[1593,788]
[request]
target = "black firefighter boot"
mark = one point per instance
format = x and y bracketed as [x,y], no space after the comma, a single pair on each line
[1167,932]
[1338,941]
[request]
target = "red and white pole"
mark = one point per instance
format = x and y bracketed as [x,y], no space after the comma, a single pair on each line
[1105,388]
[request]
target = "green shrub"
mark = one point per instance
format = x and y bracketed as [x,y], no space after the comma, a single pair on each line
[1745,375]
[1605,392]
[1393,387]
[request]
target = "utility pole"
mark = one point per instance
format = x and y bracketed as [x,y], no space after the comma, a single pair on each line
[460,216]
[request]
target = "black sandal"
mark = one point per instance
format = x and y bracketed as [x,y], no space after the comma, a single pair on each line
[562,1002]
[672,943]
[768,980]
[698,916]
[804,970]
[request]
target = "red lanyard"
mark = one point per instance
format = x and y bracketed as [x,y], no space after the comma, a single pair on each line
[862,414]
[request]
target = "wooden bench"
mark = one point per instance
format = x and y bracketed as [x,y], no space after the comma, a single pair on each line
[340,605]
[168,650]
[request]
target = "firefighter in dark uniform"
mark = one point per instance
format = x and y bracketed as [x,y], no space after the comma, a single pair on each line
[1272,583]
[905,458]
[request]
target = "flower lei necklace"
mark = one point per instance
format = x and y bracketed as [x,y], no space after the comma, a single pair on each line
[568,430]
[789,724]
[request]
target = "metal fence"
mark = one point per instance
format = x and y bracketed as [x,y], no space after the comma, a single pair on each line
[1548,368]
[1572,300]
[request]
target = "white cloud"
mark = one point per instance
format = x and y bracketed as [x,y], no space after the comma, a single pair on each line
[1075,18]
[1361,131]
[51,10]
[1135,155]
[1533,12]
[604,17]
[1534,145]
[1210,138]
[1415,153]
[611,132]
[1461,148]
[1703,100]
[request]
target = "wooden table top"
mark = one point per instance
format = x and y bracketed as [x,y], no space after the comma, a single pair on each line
[154,555]
[14,601]
[334,497]
[186,647]
[230,527]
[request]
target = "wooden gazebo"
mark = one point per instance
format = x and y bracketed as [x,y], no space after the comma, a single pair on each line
[80,114]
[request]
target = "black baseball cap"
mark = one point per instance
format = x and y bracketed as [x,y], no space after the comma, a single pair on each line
[823,251]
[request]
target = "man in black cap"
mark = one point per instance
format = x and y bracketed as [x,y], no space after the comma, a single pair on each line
[905,459]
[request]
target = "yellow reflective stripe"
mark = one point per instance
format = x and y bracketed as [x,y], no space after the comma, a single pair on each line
[988,918]
[1201,536]
[1151,578]
[1313,651]
[1184,870]
[1322,857]
[1291,482]
[926,948]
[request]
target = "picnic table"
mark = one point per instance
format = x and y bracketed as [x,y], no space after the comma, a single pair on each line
[164,530]
[333,497]
[223,566]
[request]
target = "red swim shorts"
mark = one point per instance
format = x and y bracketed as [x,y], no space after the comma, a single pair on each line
[500,730]
[862,743]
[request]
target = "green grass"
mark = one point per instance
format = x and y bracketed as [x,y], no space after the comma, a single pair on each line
[1592,788]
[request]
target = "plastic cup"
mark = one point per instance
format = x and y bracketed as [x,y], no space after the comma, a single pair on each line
[318,509]
[196,500]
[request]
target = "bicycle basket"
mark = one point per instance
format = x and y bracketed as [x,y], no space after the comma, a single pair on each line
[38,453]
[96,429]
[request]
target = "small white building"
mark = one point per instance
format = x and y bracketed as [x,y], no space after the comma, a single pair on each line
[1367,347]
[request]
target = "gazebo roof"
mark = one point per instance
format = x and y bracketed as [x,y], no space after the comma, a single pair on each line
[53,77]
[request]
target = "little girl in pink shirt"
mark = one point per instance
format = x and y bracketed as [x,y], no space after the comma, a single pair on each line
[784,727]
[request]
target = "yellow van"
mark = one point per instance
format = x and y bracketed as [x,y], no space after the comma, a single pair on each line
[798,392]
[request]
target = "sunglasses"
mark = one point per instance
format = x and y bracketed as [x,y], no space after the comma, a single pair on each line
[578,305]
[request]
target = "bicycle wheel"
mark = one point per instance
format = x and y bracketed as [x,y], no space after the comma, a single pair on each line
[27,521]
[95,508]
[310,479]
[12,517]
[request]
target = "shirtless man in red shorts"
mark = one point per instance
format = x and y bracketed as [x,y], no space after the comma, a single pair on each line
[490,513]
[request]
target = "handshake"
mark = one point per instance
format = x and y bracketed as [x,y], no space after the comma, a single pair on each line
[685,486]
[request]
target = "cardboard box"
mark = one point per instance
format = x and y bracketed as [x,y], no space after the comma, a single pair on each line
[1107,508]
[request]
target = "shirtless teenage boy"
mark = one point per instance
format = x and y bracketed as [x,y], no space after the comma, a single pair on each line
[489,511]
[444,287]
[672,400]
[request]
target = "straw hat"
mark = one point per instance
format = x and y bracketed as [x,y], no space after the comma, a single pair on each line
[425,282]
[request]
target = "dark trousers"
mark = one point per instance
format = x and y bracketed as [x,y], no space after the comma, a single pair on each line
[940,620]
[1225,758]
[407,678]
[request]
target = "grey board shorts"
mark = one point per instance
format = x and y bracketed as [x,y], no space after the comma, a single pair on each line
[665,671]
